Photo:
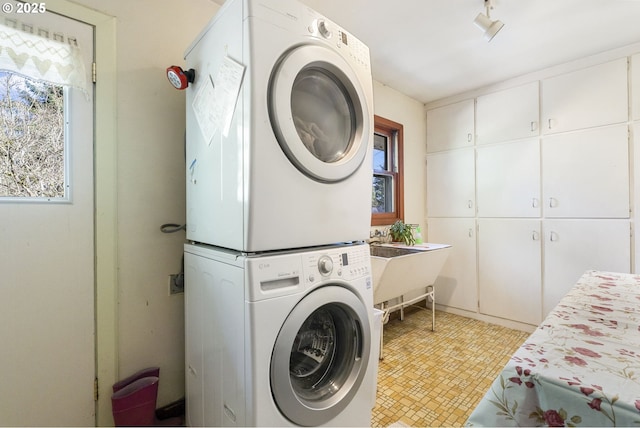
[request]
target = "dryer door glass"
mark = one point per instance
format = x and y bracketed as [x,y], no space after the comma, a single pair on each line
[321,356]
[323,114]
[319,108]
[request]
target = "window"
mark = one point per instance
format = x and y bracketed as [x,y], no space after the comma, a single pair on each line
[36,73]
[387,196]
[32,140]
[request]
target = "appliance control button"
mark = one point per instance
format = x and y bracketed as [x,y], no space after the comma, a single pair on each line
[323,28]
[325,265]
[312,278]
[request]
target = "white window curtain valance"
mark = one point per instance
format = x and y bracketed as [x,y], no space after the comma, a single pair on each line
[40,58]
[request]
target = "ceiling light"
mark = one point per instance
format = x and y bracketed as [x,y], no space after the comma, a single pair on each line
[485,23]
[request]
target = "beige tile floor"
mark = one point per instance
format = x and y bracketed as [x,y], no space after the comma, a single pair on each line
[437,378]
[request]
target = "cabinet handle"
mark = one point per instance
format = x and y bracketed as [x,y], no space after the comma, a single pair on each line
[469,204]
[550,123]
[553,202]
[553,236]
[535,202]
[534,126]
[535,235]
[470,233]
[469,137]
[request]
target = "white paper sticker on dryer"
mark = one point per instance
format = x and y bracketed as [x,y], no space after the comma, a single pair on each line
[205,110]
[227,88]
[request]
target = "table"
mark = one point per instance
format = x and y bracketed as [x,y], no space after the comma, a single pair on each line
[580,367]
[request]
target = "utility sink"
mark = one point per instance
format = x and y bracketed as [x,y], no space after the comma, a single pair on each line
[388,252]
[398,269]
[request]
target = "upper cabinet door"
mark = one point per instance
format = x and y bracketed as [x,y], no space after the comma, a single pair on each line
[586,174]
[451,184]
[508,179]
[508,115]
[635,86]
[450,127]
[585,98]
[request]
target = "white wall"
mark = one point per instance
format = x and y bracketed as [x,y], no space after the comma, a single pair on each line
[150,36]
[394,105]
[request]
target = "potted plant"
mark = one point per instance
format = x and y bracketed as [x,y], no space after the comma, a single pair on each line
[401,232]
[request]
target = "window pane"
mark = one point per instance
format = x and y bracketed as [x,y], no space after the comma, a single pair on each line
[323,114]
[380,148]
[382,195]
[32,158]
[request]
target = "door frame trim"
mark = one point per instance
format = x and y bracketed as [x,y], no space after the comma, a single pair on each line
[105,200]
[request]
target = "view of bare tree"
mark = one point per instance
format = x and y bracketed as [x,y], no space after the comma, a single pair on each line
[31,139]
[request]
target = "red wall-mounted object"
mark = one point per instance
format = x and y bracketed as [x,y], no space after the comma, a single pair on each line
[179,78]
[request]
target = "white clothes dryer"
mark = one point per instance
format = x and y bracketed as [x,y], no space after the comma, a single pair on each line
[287,162]
[279,339]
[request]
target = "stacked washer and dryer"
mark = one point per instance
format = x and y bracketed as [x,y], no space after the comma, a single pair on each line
[278,288]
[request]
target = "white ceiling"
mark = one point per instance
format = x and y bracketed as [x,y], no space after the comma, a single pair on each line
[430,49]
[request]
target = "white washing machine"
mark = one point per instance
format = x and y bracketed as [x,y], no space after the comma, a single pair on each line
[279,130]
[281,339]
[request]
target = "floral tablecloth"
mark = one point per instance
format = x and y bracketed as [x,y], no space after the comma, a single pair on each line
[581,367]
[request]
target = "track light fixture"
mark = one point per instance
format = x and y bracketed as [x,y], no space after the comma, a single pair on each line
[485,23]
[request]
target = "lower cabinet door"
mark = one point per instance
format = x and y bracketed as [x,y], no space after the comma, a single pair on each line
[572,247]
[510,278]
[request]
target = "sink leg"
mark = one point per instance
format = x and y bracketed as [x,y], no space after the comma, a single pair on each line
[381,354]
[382,321]
[432,292]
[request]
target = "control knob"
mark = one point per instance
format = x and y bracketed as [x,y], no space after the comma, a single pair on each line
[323,29]
[325,265]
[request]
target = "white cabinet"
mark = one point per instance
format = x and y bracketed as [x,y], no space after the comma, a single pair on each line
[509,114]
[585,98]
[508,179]
[509,266]
[457,284]
[635,86]
[586,174]
[549,199]
[451,184]
[450,127]
[575,246]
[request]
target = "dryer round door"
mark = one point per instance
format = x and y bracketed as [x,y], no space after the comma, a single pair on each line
[319,113]
[320,356]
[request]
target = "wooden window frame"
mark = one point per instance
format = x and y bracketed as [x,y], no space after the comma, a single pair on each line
[395,132]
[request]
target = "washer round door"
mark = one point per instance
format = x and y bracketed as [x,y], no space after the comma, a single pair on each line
[319,113]
[320,356]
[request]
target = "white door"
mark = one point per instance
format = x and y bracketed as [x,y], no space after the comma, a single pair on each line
[507,115]
[47,363]
[508,179]
[635,86]
[509,269]
[451,183]
[457,284]
[574,246]
[586,174]
[584,98]
[450,127]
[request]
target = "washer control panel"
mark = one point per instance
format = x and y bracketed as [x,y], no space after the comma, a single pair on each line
[346,263]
